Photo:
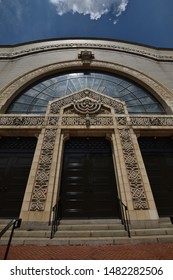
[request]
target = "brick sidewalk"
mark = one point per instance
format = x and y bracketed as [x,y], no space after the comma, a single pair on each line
[162,251]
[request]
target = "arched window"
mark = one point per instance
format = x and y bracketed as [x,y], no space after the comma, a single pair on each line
[35,99]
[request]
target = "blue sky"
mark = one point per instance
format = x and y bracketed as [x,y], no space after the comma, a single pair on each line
[147,22]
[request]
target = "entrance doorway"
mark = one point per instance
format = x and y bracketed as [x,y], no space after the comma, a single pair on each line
[158,158]
[16,156]
[88,185]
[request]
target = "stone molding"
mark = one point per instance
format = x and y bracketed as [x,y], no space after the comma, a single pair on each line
[39,121]
[23,50]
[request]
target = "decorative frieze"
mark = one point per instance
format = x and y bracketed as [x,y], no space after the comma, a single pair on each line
[40,189]
[11,120]
[133,171]
[118,46]
[152,121]
[78,121]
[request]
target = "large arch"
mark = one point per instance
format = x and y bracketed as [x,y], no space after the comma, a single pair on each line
[159,91]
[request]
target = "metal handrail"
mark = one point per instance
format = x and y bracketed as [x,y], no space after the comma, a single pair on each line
[124,217]
[14,223]
[55,221]
[56,218]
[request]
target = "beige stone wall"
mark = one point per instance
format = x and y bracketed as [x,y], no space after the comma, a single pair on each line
[19,60]
[22,65]
[152,68]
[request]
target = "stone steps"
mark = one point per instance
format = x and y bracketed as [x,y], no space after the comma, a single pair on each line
[80,232]
[88,241]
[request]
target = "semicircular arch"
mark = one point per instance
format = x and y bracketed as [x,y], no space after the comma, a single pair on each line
[160,92]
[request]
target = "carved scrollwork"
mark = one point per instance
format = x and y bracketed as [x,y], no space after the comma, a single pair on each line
[133,171]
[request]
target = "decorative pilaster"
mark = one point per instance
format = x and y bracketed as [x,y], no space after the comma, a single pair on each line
[41,184]
[133,172]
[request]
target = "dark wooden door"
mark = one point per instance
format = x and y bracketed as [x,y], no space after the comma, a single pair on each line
[88,186]
[158,158]
[16,156]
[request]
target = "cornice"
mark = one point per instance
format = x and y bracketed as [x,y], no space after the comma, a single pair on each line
[29,49]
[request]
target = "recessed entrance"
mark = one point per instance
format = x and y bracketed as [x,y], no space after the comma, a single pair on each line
[88,185]
[158,158]
[16,156]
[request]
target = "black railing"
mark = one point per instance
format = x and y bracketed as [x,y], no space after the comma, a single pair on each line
[124,216]
[55,221]
[13,224]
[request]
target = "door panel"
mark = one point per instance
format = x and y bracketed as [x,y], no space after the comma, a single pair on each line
[15,162]
[88,186]
[158,158]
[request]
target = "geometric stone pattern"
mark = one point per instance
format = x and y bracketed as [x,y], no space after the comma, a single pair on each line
[98,121]
[43,172]
[8,120]
[35,121]
[133,171]
[100,98]
[121,120]
[152,121]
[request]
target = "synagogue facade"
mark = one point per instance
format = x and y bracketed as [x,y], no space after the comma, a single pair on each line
[86,125]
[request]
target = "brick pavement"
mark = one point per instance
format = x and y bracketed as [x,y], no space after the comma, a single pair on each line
[154,251]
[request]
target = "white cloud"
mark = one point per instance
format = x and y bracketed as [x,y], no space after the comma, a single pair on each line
[94,8]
